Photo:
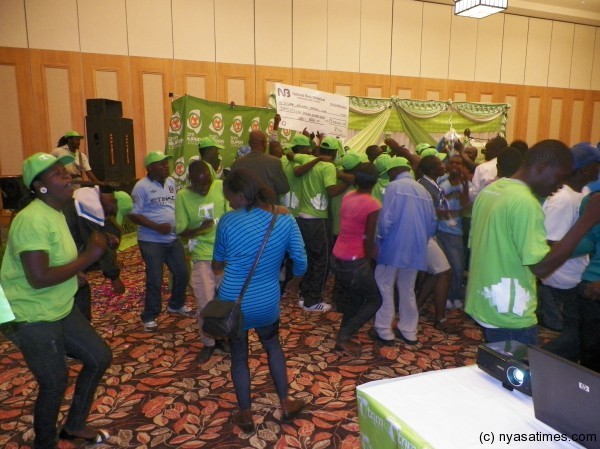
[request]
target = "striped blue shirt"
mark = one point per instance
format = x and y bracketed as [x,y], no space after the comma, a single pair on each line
[239,236]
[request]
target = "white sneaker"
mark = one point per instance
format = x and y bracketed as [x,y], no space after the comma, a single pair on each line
[183,310]
[318,307]
[150,326]
[449,304]
[458,304]
[301,303]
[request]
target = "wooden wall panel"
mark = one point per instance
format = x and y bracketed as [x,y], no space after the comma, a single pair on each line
[231,79]
[13,26]
[273,39]
[309,40]
[190,70]
[488,60]
[266,77]
[94,34]
[538,52]
[435,52]
[514,49]
[583,57]
[374,85]
[406,38]
[10,127]
[347,81]
[463,48]
[62,60]
[316,78]
[561,50]
[140,67]
[577,116]
[375,36]
[596,65]
[30,136]
[555,118]
[194,30]
[594,135]
[93,64]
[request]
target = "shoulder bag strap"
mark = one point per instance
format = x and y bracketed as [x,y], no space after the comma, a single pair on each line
[260,251]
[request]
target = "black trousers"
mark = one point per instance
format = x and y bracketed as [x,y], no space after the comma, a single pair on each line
[316,233]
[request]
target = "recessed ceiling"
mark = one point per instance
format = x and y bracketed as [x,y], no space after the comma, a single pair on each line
[586,12]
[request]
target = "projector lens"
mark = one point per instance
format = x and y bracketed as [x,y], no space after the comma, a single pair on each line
[515,376]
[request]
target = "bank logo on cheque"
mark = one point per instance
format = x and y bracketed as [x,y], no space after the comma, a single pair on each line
[237,126]
[175,124]
[194,121]
[216,125]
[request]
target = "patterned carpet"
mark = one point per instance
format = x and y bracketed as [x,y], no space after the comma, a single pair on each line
[156,396]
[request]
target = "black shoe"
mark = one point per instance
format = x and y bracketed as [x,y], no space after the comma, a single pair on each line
[375,336]
[403,339]
[205,355]
[223,346]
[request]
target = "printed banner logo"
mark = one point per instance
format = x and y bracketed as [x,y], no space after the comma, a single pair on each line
[271,125]
[237,126]
[216,125]
[175,124]
[255,125]
[194,121]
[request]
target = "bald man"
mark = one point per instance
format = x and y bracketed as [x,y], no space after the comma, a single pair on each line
[267,167]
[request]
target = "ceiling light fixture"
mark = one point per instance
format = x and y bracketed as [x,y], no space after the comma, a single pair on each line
[479,9]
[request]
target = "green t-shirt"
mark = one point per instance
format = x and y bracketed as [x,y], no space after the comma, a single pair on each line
[38,227]
[191,209]
[507,236]
[379,188]
[313,193]
[291,198]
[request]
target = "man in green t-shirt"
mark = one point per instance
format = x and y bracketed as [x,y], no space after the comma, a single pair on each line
[198,209]
[319,184]
[509,248]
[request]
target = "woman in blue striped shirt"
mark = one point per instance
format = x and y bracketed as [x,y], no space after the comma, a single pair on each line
[239,236]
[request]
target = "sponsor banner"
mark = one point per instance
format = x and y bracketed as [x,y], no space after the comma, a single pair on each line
[193,118]
[314,110]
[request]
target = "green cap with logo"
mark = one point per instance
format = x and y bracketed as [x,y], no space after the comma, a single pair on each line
[351,160]
[394,162]
[299,140]
[155,156]
[433,152]
[73,134]
[124,205]
[38,162]
[207,142]
[330,143]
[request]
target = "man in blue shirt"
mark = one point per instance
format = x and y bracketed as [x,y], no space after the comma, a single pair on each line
[154,212]
[406,222]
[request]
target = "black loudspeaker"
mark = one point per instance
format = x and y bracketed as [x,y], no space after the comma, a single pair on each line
[110,147]
[13,192]
[105,107]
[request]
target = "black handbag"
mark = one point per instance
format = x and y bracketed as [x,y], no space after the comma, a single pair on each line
[224,319]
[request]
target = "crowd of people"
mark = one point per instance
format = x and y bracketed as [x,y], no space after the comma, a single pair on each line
[512,239]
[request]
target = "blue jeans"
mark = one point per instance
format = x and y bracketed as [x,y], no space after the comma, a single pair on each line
[452,245]
[527,335]
[155,255]
[44,346]
[359,298]
[240,373]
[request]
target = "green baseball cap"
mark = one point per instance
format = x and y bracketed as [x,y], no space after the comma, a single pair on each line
[299,140]
[155,156]
[124,205]
[433,152]
[351,160]
[73,134]
[394,162]
[330,143]
[207,142]
[381,162]
[38,162]
[421,147]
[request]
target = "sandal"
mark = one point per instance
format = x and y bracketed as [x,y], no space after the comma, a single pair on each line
[101,436]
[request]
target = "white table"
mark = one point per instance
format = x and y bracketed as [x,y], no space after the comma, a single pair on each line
[459,408]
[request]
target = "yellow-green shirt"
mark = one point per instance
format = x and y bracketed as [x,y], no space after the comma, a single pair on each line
[38,227]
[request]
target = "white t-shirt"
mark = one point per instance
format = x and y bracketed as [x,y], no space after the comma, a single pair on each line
[79,166]
[562,211]
[485,174]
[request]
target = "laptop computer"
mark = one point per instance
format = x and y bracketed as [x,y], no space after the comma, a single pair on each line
[566,396]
